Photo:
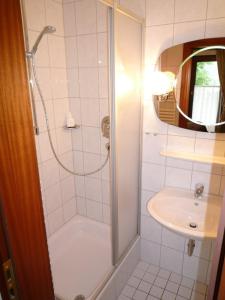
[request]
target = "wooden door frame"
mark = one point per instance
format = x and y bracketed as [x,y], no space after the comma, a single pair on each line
[188,49]
[20,194]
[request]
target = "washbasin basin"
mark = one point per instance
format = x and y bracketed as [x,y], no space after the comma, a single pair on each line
[180,211]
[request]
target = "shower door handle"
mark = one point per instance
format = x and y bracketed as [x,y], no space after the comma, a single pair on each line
[10,280]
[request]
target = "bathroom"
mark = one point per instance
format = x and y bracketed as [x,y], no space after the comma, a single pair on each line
[90,231]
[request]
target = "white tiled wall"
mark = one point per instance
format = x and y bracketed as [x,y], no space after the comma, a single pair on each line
[58,187]
[70,66]
[168,23]
[86,40]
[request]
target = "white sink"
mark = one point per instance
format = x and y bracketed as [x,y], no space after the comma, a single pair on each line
[179,211]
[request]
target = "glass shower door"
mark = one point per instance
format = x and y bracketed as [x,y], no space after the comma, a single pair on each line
[126,133]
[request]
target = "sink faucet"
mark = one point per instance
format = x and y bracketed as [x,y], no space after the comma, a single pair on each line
[199,188]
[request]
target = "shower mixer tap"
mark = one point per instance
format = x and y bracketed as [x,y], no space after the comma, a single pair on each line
[199,189]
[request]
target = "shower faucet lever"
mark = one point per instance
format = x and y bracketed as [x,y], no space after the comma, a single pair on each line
[199,189]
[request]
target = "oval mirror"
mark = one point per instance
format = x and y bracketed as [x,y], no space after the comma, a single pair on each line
[197,101]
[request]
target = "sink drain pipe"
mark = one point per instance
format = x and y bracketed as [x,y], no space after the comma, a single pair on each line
[191,247]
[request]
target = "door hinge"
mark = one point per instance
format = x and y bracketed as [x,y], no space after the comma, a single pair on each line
[10,280]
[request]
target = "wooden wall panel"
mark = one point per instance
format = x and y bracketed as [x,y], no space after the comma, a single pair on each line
[19,181]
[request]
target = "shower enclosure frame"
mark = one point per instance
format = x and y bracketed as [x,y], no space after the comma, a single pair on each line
[113,9]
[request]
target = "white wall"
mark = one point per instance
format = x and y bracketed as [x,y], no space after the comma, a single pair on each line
[58,188]
[86,37]
[170,22]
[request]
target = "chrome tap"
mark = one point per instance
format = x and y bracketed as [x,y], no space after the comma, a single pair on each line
[199,189]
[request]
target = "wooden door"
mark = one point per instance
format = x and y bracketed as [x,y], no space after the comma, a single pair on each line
[20,197]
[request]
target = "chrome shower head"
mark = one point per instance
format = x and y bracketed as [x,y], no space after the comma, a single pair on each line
[49,29]
[46,30]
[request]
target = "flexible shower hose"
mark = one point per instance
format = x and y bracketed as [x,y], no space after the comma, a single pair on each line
[49,132]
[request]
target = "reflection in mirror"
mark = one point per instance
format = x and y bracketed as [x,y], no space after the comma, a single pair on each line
[199,68]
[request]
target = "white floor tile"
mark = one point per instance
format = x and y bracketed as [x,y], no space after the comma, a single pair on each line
[175,278]
[184,292]
[128,291]
[149,277]
[144,286]
[134,281]
[164,274]
[168,296]
[187,282]
[139,295]
[172,287]
[153,269]
[142,265]
[160,282]
[156,292]
[138,273]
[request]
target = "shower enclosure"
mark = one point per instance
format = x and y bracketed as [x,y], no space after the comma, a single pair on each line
[84,61]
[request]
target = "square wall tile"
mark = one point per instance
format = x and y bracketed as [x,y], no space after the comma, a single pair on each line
[190,11]
[195,268]
[158,38]
[215,28]
[55,220]
[103,83]
[178,143]
[35,14]
[59,83]
[67,160]
[159,12]
[73,83]
[135,6]
[85,43]
[49,173]
[54,16]
[52,198]
[94,210]
[102,49]
[102,17]
[69,19]
[152,153]
[90,109]
[85,16]
[152,177]
[150,229]
[150,252]
[69,210]
[81,206]
[171,259]
[57,50]
[68,188]
[64,141]
[216,9]
[91,163]
[91,139]
[88,80]
[93,189]
[172,240]
[71,52]
[178,178]
[188,31]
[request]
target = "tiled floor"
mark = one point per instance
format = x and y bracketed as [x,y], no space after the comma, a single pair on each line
[149,282]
